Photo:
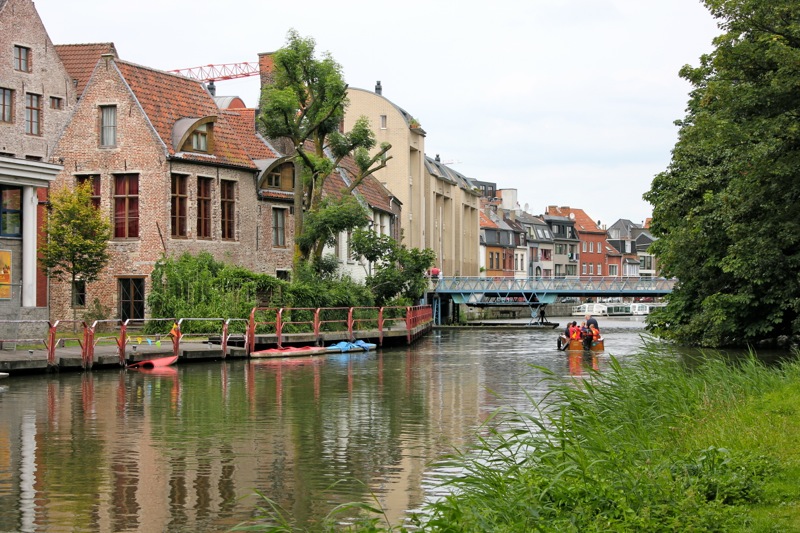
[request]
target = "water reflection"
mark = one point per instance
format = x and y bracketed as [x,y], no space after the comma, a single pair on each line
[183,448]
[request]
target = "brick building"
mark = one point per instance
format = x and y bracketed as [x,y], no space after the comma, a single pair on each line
[173,172]
[36,99]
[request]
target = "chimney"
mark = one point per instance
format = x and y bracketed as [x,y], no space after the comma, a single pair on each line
[212,89]
[378,88]
[266,64]
[437,159]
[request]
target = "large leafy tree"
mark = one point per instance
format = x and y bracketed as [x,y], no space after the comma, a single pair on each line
[77,237]
[727,209]
[305,103]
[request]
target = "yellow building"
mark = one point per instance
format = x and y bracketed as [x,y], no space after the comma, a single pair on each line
[440,206]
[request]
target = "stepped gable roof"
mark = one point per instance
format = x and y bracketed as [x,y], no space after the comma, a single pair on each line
[80,60]
[168,98]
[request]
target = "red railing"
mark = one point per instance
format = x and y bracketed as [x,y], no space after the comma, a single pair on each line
[349,321]
[287,320]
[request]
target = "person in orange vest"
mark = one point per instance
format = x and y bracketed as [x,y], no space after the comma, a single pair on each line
[595,333]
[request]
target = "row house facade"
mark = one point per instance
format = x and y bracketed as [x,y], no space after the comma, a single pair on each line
[37,97]
[633,241]
[501,244]
[540,245]
[565,245]
[454,205]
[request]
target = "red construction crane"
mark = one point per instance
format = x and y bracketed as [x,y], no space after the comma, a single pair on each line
[228,71]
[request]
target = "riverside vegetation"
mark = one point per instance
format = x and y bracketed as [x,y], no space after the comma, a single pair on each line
[659,444]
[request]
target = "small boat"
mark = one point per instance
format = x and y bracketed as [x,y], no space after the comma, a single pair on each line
[164,371]
[357,346]
[155,363]
[289,351]
[577,344]
[285,362]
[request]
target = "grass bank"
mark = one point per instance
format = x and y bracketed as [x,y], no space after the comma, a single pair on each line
[660,444]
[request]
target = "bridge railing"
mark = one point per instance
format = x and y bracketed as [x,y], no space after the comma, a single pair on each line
[565,285]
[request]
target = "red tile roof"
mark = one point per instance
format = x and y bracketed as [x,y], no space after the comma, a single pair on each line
[583,222]
[243,122]
[487,222]
[370,188]
[167,98]
[80,60]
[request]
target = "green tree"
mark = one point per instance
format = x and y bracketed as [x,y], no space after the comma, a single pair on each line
[77,237]
[727,209]
[305,103]
[397,271]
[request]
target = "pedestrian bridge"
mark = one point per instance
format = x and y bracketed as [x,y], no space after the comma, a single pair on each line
[537,291]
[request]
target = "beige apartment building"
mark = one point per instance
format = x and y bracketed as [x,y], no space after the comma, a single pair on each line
[440,206]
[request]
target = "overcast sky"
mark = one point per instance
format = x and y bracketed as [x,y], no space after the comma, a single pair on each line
[571,102]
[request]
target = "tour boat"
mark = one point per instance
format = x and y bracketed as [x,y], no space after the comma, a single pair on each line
[155,363]
[609,309]
[356,346]
[289,351]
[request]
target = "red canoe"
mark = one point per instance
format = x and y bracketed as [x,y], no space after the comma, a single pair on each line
[289,351]
[155,363]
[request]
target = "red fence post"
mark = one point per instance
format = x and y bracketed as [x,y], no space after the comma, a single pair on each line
[279,326]
[408,325]
[251,332]
[123,340]
[224,340]
[380,326]
[317,326]
[175,333]
[351,337]
[87,349]
[51,344]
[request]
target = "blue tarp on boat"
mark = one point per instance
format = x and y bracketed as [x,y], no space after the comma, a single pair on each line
[357,346]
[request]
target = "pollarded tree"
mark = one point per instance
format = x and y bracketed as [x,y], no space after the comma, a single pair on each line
[305,103]
[77,237]
[727,209]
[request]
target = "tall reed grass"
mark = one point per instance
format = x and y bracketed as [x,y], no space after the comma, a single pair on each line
[625,450]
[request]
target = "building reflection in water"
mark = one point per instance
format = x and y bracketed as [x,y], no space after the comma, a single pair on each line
[184,448]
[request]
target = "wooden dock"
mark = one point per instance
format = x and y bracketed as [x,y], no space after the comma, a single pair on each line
[117,347]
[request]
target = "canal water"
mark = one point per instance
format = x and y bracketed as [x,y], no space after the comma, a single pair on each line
[186,448]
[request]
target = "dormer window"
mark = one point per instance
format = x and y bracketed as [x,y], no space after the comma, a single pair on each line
[200,140]
[196,135]
[274,179]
